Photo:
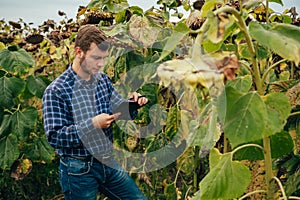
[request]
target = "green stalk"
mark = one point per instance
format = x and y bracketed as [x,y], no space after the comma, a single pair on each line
[266,73]
[258,83]
[294,114]
[196,163]
[257,78]
[267,11]
[268,165]
[292,70]
[242,25]
[244,146]
[225,144]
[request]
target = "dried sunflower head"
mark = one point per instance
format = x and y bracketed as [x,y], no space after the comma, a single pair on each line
[34,38]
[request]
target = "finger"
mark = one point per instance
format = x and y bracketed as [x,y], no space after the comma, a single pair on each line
[136,96]
[142,101]
[116,115]
[110,117]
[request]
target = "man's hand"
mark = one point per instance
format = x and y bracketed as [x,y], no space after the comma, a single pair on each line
[104,120]
[137,98]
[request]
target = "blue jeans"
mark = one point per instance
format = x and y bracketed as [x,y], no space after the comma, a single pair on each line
[83,179]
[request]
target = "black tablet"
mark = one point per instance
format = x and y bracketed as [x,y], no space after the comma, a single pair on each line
[126,107]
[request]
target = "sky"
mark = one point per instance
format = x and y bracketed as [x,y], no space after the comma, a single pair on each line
[38,11]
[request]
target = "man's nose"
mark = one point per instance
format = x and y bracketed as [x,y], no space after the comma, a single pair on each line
[100,62]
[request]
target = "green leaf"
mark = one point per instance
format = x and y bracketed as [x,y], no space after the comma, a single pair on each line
[241,83]
[245,119]
[277,1]
[221,104]
[261,51]
[208,132]
[281,144]
[219,29]
[186,162]
[9,151]
[9,89]
[278,109]
[120,17]
[36,85]
[287,30]
[117,7]
[1,114]
[117,29]
[179,32]
[170,190]
[209,5]
[211,47]
[226,101]
[23,122]
[283,39]
[243,50]
[168,2]
[196,195]
[287,19]
[2,45]
[142,30]
[251,3]
[214,158]
[136,10]
[197,128]
[213,31]
[226,180]
[213,129]
[159,116]
[250,153]
[15,61]
[40,150]
[293,181]
[172,121]
[111,6]
[5,127]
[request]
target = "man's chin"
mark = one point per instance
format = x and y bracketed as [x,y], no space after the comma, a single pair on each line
[96,71]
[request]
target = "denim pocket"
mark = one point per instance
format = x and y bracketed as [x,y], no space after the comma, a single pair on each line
[76,167]
[63,178]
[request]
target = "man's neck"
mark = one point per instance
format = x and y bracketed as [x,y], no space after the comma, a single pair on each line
[77,69]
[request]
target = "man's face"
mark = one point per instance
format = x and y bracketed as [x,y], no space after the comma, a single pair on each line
[93,60]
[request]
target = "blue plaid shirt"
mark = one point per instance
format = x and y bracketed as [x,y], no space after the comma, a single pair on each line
[69,104]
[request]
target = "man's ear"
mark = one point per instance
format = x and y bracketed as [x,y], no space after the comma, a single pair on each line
[79,52]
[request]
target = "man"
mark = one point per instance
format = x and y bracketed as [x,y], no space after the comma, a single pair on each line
[78,116]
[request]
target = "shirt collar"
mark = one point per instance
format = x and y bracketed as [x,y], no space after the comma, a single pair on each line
[81,82]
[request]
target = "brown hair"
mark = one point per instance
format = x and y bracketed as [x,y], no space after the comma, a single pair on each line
[88,34]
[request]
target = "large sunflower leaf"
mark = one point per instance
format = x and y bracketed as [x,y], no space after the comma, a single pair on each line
[9,151]
[9,89]
[179,32]
[226,180]
[283,39]
[278,111]
[37,85]
[15,61]
[40,150]
[245,119]
[24,122]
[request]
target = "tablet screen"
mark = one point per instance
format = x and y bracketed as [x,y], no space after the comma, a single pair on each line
[126,107]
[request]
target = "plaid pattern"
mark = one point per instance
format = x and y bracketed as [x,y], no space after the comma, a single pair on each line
[69,104]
